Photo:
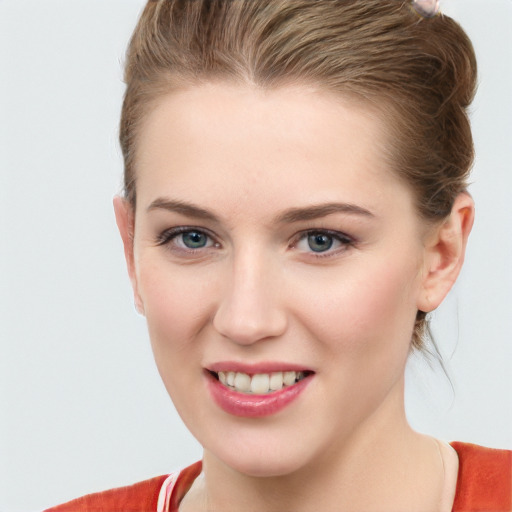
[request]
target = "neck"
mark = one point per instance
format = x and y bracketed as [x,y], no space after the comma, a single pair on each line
[383,466]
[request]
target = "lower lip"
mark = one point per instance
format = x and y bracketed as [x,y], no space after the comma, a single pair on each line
[254,406]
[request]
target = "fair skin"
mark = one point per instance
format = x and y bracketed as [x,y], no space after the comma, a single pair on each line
[258,274]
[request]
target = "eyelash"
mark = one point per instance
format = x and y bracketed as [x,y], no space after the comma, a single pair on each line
[169,235]
[345,241]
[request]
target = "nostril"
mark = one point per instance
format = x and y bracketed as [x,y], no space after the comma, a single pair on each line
[245,325]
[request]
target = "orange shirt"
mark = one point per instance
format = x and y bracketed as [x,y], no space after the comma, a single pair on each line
[484,485]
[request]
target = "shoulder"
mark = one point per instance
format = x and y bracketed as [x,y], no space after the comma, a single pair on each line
[484,480]
[139,497]
[162,493]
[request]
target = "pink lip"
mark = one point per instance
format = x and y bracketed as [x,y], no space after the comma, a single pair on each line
[254,406]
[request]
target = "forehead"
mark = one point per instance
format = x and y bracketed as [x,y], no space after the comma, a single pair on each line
[217,140]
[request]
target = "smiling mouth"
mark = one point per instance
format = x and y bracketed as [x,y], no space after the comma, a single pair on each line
[259,383]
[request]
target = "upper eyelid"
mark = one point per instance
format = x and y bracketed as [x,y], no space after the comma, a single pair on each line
[346,243]
[170,233]
[339,235]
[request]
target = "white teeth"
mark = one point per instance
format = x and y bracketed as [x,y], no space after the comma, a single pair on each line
[289,378]
[242,382]
[276,381]
[260,383]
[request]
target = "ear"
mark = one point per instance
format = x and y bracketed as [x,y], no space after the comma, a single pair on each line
[125,219]
[445,248]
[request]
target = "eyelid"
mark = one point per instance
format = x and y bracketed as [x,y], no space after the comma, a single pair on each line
[165,238]
[167,235]
[345,240]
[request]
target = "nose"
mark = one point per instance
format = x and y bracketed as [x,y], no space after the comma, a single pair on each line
[250,308]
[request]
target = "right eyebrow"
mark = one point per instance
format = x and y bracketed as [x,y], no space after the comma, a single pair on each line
[182,208]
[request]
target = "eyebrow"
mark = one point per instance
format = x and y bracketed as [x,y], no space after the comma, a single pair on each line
[182,207]
[287,217]
[321,210]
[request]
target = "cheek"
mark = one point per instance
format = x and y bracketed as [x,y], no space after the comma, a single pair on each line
[364,308]
[177,308]
[176,304]
[364,323]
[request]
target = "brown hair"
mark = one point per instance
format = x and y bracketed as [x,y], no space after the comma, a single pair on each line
[420,73]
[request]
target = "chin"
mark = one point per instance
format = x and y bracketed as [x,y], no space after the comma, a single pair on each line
[263,468]
[264,461]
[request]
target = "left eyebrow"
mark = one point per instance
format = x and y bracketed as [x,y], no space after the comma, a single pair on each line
[183,208]
[322,210]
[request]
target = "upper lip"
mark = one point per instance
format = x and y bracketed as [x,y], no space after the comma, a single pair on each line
[255,368]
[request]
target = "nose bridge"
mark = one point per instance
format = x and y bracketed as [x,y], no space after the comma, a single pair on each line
[249,308]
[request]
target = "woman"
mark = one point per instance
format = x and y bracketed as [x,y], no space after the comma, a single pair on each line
[295,204]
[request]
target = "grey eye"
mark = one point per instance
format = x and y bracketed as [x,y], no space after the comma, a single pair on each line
[194,239]
[320,242]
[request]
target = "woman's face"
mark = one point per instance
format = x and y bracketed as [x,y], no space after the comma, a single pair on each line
[270,236]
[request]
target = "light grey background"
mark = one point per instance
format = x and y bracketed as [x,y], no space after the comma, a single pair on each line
[81,404]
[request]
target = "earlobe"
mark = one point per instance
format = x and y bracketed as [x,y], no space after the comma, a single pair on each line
[444,253]
[125,219]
